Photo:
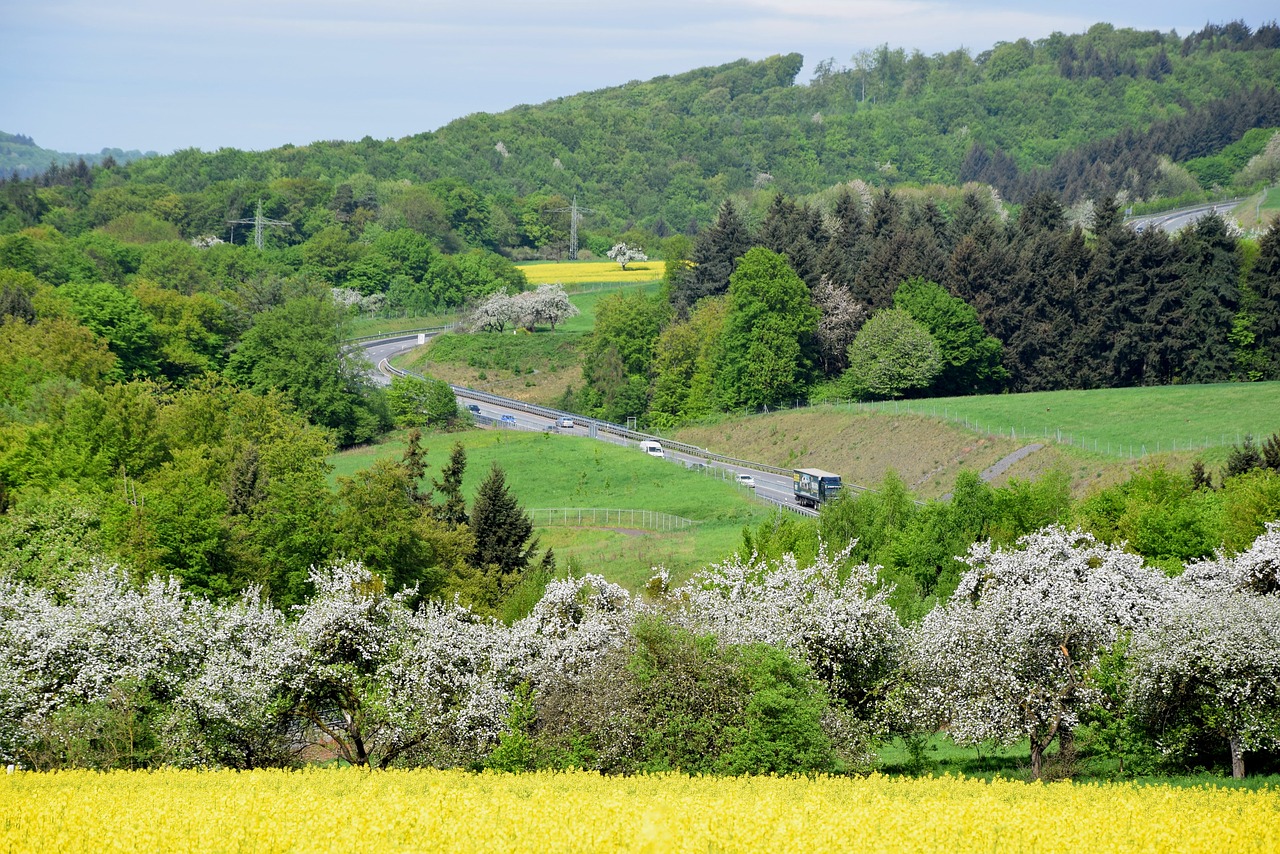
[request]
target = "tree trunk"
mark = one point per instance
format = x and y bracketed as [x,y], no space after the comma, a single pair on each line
[1237,757]
[1066,741]
[1037,758]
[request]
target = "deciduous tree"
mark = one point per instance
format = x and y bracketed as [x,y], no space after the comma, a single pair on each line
[891,354]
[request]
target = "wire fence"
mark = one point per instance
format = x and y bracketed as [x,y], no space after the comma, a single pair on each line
[596,517]
[1110,447]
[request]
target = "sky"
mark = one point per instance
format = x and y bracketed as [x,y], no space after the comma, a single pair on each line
[161,75]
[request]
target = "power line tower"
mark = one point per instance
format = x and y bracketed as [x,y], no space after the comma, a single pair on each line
[575,216]
[258,222]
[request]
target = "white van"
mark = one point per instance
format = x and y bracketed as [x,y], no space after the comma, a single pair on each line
[652,448]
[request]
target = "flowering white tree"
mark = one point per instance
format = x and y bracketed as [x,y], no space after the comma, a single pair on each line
[444,698]
[1256,570]
[108,644]
[1210,664]
[574,625]
[842,316]
[494,313]
[548,304]
[231,711]
[624,254]
[1008,656]
[351,636]
[834,617]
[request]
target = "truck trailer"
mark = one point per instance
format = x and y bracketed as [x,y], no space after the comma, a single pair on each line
[813,487]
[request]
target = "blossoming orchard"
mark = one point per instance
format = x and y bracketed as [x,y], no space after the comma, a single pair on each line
[765,665]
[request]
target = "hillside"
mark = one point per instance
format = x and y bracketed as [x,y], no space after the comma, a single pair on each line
[20,156]
[928,442]
[1083,115]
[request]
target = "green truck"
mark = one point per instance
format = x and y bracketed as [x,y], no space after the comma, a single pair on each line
[813,487]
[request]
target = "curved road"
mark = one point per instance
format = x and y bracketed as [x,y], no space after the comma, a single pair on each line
[770,486]
[1176,220]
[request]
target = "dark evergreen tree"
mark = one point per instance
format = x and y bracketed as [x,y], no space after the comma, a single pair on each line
[1264,282]
[415,465]
[503,531]
[1110,304]
[843,252]
[1159,67]
[1210,270]
[886,214]
[1145,295]
[1271,452]
[454,509]
[715,257]
[1243,458]
[977,271]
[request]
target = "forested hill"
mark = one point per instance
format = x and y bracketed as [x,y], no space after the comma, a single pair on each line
[1082,115]
[20,156]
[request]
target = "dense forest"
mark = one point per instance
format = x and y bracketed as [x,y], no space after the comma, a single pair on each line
[1106,112]
[885,295]
[21,157]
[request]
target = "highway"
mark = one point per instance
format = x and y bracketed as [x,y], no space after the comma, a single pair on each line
[1173,221]
[772,485]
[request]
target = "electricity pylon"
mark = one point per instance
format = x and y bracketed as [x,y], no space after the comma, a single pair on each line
[258,222]
[575,216]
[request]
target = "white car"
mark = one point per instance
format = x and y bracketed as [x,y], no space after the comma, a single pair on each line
[746,480]
[566,423]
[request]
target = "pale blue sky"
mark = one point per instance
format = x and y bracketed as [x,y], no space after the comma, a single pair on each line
[81,75]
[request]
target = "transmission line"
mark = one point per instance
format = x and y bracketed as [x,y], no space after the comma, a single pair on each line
[575,216]
[258,222]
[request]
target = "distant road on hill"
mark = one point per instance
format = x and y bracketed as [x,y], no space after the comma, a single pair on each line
[1173,221]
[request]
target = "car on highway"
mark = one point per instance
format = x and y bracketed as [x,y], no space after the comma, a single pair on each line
[551,428]
[746,480]
[565,422]
[473,409]
[508,419]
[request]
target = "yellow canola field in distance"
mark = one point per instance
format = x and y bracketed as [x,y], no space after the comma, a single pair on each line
[425,810]
[576,272]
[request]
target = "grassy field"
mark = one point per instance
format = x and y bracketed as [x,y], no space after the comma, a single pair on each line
[1119,422]
[534,367]
[587,301]
[1097,437]
[546,470]
[572,274]
[332,810]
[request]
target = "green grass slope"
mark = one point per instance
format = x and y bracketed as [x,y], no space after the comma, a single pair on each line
[559,471]
[1096,436]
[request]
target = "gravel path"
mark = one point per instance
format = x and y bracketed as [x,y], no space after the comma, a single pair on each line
[1002,466]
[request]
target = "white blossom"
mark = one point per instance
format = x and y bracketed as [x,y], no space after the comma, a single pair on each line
[835,618]
[1256,570]
[1211,661]
[1007,657]
[574,625]
[624,254]
[548,304]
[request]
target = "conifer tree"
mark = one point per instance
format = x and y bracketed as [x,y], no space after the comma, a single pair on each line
[715,256]
[454,509]
[503,531]
[1264,281]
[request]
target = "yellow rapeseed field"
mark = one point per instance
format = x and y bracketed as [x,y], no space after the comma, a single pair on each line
[577,272]
[356,810]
